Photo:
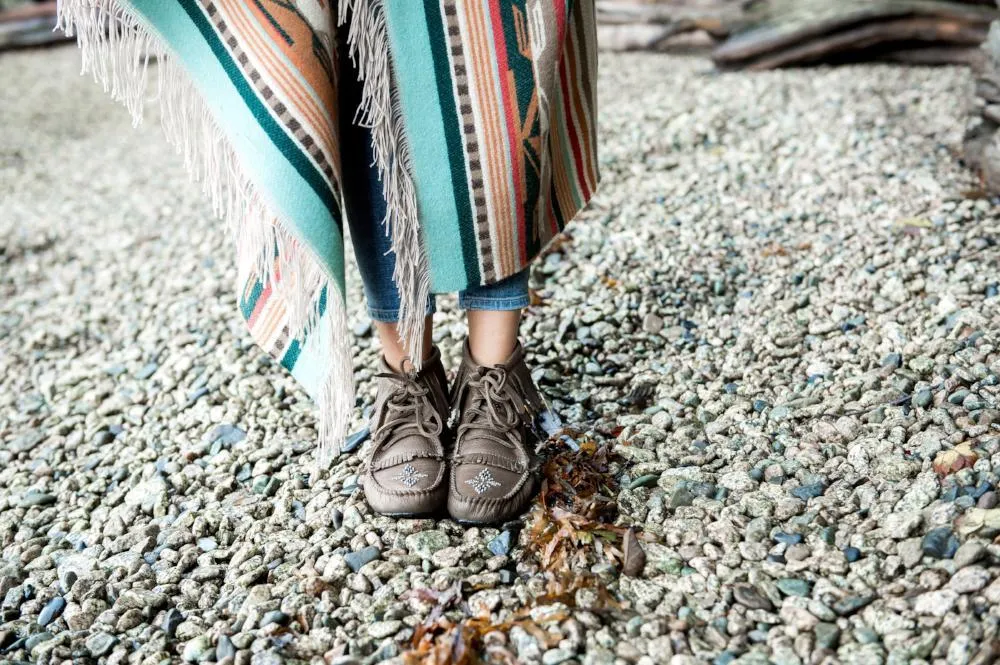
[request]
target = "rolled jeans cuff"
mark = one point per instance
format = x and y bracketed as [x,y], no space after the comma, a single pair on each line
[507,303]
[391,314]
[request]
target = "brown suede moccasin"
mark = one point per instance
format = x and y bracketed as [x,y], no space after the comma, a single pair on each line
[406,472]
[492,475]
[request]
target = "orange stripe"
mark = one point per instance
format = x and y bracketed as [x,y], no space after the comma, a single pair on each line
[576,117]
[584,119]
[563,190]
[291,89]
[505,217]
[473,47]
[259,305]
[500,193]
[290,86]
[274,315]
[320,121]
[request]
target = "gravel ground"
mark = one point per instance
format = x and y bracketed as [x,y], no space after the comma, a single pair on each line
[780,315]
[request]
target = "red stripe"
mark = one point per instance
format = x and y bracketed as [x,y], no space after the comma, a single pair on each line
[572,59]
[559,9]
[572,131]
[500,44]
[259,305]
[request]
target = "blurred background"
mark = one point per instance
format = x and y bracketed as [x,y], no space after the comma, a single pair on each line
[759,35]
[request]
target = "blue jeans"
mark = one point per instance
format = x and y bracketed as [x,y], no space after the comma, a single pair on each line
[364,199]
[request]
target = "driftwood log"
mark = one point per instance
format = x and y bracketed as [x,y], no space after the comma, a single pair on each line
[763,34]
[801,32]
[982,137]
[28,24]
[668,25]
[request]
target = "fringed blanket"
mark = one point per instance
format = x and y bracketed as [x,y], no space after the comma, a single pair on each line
[482,116]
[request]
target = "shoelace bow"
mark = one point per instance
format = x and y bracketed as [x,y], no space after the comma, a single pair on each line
[408,407]
[496,400]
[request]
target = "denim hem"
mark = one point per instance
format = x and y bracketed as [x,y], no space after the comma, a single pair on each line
[494,304]
[392,315]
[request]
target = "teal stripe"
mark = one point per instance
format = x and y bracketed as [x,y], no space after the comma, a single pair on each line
[271,160]
[523,72]
[453,134]
[250,303]
[274,24]
[288,147]
[413,65]
[291,355]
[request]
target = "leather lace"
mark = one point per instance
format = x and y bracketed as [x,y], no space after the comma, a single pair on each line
[495,408]
[407,407]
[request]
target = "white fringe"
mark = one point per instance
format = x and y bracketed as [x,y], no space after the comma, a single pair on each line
[380,111]
[117,47]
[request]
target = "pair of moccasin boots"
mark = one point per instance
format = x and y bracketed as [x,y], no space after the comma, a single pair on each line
[481,470]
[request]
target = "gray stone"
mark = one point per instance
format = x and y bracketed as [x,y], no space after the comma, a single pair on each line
[358,559]
[500,545]
[940,543]
[34,498]
[969,553]
[426,543]
[382,629]
[556,656]
[794,587]
[935,603]
[198,650]
[100,644]
[750,597]
[52,610]
[224,648]
[171,620]
[969,580]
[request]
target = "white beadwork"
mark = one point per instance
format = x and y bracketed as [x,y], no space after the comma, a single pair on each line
[483,481]
[409,476]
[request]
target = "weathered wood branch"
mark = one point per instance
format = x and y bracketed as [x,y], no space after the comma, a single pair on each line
[799,31]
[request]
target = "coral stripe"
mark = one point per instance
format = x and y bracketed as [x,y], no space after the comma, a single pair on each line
[571,129]
[261,302]
[582,115]
[494,161]
[510,108]
[293,90]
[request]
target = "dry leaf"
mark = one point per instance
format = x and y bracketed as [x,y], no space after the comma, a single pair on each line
[635,556]
[955,459]
[979,519]
[912,225]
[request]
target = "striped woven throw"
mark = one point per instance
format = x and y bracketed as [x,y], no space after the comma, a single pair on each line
[481,112]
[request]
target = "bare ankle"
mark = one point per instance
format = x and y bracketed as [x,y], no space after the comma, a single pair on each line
[394,352]
[493,335]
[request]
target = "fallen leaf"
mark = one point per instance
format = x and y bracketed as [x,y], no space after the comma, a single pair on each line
[955,459]
[635,556]
[979,519]
[912,226]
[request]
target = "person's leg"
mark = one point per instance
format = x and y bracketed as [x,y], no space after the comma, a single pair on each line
[365,202]
[392,345]
[491,463]
[494,314]
[405,472]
